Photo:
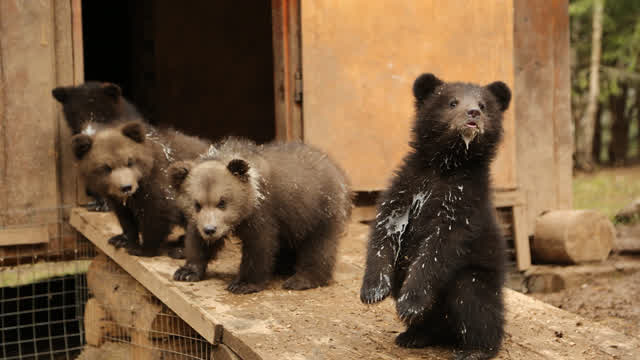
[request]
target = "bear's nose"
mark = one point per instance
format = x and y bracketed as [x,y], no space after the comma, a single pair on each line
[209,230]
[473,113]
[126,188]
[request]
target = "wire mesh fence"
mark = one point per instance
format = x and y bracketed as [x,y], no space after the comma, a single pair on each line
[61,299]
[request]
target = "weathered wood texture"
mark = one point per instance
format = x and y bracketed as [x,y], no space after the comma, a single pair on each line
[28,171]
[359,62]
[572,236]
[627,238]
[38,182]
[330,322]
[542,105]
[287,62]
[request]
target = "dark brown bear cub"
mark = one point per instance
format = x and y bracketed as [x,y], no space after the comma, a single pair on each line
[435,246]
[126,164]
[288,204]
[91,105]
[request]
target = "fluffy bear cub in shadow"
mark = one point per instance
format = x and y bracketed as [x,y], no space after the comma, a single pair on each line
[89,107]
[435,246]
[126,164]
[288,203]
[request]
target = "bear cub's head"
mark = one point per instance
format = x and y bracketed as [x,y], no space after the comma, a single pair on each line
[114,160]
[91,102]
[459,115]
[215,195]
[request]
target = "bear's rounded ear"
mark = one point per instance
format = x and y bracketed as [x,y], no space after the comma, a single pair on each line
[81,145]
[424,85]
[239,168]
[178,172]
[502,93]
[61,94]
[112,90]
[134,130]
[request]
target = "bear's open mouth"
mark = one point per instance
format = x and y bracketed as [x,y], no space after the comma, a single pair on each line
[471,124]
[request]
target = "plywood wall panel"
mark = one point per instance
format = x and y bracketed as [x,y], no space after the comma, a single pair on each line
[28,123]
[360,59]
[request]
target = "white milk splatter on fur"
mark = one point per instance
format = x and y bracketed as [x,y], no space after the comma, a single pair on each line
[89,130]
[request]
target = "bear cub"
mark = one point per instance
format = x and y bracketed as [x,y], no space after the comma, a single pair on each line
[126,164]
[91,106]
[435,245]
[288,203]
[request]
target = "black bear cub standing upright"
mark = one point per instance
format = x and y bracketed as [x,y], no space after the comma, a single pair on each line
[435,245]
[287,202]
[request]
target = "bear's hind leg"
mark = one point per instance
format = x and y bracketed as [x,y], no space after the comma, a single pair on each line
[316,257]
[475,308]
[428,331]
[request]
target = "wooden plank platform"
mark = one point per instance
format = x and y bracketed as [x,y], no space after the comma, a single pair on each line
[331,323]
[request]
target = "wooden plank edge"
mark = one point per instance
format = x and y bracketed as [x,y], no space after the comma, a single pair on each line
[178,304]
[24,235]
[161,288]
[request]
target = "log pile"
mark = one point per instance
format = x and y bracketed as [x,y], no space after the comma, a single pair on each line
[123,311]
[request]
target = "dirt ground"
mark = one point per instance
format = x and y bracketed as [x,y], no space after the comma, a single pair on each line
[611,299]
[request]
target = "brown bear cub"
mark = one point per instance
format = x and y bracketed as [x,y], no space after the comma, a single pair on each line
[287,202]
[89,107]
[127,164]
[435,246]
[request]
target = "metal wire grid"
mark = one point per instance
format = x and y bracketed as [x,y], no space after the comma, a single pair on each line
[164,335]
[43,290]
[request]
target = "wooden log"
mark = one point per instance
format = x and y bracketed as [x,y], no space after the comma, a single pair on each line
[572,236]
[628,238]
[130,306]
[98,325]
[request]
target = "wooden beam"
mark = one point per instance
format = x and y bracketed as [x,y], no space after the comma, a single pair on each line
[287,63]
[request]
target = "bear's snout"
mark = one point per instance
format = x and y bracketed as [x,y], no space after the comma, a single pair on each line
[209,230]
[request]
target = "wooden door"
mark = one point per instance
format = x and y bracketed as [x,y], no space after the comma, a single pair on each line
[359,60]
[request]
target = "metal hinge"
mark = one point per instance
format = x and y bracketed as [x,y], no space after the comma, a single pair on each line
[297,91]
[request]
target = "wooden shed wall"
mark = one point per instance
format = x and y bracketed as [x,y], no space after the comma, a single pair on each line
[543,105]
[359,62]
[37,177]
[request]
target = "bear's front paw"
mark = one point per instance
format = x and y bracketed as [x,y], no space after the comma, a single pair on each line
[243,287]
[188,272]
[98,206]
[140,251]
[375,288]
[412,304]
[119,241]
[176,253]
[474,354]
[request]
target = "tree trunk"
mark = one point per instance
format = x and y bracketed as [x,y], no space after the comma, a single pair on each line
[619,145]
[597,136]
[584,132]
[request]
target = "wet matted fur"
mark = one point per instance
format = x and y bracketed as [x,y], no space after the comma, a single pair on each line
[435,246]
[287,202]
[127,165]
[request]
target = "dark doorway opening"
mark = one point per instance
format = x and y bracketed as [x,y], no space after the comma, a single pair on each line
[204,67]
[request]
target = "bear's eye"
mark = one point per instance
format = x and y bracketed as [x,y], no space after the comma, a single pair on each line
[453,103]
[106,169]
[197,206]
[481,105]
[222,204]
[130,162]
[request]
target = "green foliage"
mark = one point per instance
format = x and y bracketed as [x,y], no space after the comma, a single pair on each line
[607,190]
[620,59]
